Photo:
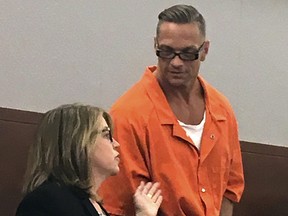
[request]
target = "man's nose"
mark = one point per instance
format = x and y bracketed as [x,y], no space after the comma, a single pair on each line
[176,61]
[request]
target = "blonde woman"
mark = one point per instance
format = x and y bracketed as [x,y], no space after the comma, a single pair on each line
[74,153]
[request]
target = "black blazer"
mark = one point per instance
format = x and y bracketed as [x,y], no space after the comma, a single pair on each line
[51,199]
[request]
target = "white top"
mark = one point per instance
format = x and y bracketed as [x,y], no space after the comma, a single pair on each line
[194,131]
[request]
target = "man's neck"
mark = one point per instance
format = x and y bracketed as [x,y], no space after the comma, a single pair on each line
[183,93]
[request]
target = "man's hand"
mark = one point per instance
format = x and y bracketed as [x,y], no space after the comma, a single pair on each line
[226,207]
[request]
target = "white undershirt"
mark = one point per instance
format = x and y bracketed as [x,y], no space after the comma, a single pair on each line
[194,131]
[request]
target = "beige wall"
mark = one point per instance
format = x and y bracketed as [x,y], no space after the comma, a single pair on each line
[56,51]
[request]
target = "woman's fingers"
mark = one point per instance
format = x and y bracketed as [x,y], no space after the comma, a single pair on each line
[140,188]
[152,189]
[146,189]
[156,196]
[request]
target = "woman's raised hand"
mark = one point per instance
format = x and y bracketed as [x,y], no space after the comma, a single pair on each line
[147,199]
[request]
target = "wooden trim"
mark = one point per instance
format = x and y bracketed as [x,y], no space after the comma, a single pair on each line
[258,148]
[14,115]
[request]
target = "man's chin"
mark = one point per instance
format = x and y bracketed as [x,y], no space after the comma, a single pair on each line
[176,82]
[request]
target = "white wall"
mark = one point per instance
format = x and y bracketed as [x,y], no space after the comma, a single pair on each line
[54,52]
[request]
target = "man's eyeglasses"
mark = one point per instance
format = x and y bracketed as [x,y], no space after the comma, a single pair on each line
[184,56]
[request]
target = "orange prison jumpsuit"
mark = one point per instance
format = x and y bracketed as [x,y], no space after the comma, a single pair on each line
[154,147]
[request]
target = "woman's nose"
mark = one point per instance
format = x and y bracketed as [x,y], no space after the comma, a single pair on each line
[115,143]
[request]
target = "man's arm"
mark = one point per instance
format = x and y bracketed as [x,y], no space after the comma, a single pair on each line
[235,184]
[117,191]
[226,207]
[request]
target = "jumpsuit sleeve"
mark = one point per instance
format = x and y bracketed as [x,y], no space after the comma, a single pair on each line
[235,184]
[117,191]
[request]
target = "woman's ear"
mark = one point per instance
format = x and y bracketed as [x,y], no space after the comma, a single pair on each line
[205,50]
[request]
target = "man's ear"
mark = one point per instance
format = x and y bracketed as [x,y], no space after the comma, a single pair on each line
[205,50]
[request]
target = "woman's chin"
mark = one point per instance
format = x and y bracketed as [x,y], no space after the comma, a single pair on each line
[115,171]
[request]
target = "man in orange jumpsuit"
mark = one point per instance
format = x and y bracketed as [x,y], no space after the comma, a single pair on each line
[176,129]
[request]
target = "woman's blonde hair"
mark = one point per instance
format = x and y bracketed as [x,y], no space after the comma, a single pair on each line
[64,139]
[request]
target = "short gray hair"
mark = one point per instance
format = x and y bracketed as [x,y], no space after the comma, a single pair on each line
[182,14]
